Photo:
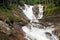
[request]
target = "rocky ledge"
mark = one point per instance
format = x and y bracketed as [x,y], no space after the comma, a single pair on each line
[11,22]
[48,21]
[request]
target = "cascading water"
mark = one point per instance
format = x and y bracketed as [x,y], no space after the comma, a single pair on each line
[29,12]
[33,31]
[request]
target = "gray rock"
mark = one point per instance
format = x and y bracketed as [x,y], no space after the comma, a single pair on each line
[5,28]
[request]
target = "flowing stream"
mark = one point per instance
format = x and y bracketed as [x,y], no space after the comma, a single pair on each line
[33,31]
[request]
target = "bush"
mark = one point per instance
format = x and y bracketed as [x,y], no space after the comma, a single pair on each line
[53,10]
[5,13]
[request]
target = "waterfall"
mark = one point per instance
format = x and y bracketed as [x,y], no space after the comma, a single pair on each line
[40,15]
[29,12]
[33,31]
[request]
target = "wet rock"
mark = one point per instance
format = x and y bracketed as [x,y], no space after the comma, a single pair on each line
[47,33]
[53,21]
[36,10]
[57,31]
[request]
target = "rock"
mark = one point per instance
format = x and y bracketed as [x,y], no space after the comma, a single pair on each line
[52,21]
[36,10]
[13,32]
[47,33]
[57,30]
[5,28]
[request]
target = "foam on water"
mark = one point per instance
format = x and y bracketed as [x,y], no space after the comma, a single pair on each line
[35,33]
[29,12]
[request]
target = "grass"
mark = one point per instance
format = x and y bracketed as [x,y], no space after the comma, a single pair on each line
[49,8]
[6,13]
[3,36]
[52,9]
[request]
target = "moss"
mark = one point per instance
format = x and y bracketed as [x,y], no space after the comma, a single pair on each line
[3,36]
[6,13]
[52,11]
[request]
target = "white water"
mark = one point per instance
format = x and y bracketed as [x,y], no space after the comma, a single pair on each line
[32,30]
[40,15]
[29,12]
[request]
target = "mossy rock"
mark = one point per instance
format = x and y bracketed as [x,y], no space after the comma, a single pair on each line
[3,36]
[6,14]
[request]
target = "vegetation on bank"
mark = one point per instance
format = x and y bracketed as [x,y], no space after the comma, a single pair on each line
[3,36]
[9,3]
[52,9]
[9,15]
[53,6]
[8,6]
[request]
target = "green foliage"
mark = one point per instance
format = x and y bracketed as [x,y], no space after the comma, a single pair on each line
[3,36]
[56,2]
[5,13]
[53,6]
[53,10]
[21,2]
[9,3]
[31,2]
[57,10]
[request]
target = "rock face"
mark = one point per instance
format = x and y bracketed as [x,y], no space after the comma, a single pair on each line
[10,32]
[57,30]
[48,21]
[5,28]
[11,23]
